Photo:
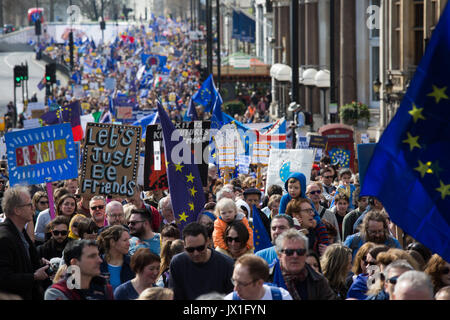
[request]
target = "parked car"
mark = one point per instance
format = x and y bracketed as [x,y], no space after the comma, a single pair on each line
[7,28]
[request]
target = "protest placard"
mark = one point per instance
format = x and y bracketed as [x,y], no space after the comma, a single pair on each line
[155,175]
[110,159]
[41,155]
[283,162]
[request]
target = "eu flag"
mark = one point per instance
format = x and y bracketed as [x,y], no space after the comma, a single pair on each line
[410,168]
[261,239]
[69,113]
[191,112]
[207,94]
[185,184]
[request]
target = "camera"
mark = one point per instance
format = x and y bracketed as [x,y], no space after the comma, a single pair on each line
[50,271]
[53,266]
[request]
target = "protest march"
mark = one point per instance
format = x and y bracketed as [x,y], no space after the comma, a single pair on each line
[133,183]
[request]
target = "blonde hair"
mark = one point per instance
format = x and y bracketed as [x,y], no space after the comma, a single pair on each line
[334,263]
[156,293]
[223,204]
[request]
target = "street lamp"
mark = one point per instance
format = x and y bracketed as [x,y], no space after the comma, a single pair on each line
[309,80]
[323,83]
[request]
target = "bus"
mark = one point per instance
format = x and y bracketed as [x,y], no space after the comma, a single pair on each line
[34,14]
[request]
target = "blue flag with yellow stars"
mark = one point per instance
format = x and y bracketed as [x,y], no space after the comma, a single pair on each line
[410,168]
[185,184]
[206,95]
[261,239]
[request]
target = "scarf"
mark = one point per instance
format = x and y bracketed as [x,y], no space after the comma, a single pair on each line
[292,280]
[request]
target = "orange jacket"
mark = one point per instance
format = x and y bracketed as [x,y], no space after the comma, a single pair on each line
[219,232]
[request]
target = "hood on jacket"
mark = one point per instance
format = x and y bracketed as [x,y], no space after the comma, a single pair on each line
[300,177]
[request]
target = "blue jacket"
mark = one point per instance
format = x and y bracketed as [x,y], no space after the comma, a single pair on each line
[287,197]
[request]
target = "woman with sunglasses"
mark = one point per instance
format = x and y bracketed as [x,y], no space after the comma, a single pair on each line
[236,237]
[439,271]
[40,202]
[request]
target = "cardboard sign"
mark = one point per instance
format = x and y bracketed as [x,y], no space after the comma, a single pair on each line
[110,159]
[319,142]
[283,162]
[155,175]
[41,155]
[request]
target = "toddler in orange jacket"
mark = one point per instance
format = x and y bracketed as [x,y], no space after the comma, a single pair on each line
[226,211]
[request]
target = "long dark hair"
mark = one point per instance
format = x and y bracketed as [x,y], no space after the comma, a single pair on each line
[241,230]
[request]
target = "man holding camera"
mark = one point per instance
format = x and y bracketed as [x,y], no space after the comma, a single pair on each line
[20,268]
[53,247]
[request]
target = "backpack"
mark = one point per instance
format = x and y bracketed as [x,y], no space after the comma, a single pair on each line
[276,294]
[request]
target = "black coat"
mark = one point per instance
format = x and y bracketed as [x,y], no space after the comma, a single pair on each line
[16,269]
[50,249]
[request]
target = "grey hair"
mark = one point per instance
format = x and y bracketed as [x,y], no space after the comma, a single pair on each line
[13,198]
[415,280]
[97,198]
[111,205]
[220,194]
[211,296]
[165,202]
[290,234]
[397,264]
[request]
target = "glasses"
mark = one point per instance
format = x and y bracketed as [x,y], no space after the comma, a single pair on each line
[192,249]
[315,192]
[240,284]
[392,280]
[290,252]
[26,205]
[43,202]
[231,239]
[57,232]
[116,215]
[101,207]
[310,210]
[132,223]
[445,270]
[328,177]
[370,263]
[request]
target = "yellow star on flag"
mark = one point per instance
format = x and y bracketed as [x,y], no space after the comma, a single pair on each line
[191,206]
[183,216]
[424,168]
[438,93]
[178,167]
[444,189]
[190,178]
[412,141]
[193,191]
[416,113]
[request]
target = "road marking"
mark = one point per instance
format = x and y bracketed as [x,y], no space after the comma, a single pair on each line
[5,59]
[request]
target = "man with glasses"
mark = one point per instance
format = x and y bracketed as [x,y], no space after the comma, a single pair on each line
[392,272]
[374,229]
[114,214]
[97,209]
[278,225]
[315,193]
[54,247]
[294,274]
[250,273]
[140,226]
[199,270]
[20,267]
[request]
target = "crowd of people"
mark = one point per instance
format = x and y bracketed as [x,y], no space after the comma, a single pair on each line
[327,241]
[132,248]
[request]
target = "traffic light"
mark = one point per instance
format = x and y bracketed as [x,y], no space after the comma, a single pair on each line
[50,73]
[102,25]
[17,77]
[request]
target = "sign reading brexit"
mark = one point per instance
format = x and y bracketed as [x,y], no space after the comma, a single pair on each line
[110,159]
[41,155]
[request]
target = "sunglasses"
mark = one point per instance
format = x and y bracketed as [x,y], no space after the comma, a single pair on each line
[445,270]
[392,280]
[57,232]
[132,223]
[43,202]
[315,192]
[290,252]
[328,177]
[231,239]
[100,207]
[192,249]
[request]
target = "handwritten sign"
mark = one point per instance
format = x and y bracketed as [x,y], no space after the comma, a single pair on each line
[41,155]
[110,159]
